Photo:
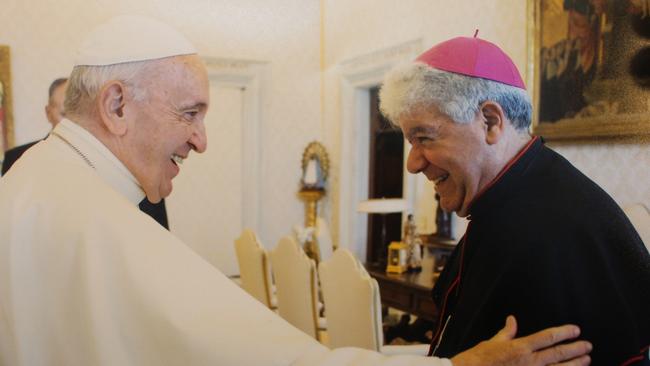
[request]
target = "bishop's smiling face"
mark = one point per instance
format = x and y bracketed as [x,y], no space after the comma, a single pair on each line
[169,123]
[453,156]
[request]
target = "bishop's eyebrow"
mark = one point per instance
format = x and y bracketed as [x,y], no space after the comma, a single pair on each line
[421,130]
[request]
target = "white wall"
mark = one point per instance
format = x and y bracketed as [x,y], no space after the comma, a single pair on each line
[284,33]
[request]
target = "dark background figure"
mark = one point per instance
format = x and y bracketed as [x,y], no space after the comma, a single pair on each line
[54,114]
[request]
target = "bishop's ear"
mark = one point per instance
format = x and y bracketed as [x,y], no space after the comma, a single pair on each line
[494,120]
[111,107]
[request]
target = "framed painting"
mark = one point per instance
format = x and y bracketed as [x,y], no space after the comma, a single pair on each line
[589,65]
[6,115]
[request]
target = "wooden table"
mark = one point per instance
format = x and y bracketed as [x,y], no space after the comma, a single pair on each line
[411,291]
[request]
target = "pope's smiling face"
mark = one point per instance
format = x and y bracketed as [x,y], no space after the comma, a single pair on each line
[168,123]
[454,156]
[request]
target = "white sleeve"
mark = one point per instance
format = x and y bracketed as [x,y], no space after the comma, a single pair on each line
[361,357]
[214,322]
[153,301]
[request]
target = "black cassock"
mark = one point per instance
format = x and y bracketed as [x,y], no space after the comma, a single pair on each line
[547,245]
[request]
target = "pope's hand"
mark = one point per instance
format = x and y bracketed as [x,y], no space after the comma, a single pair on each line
[537,349]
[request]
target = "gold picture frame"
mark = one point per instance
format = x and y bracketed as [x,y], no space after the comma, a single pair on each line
[6,102]
[581,70]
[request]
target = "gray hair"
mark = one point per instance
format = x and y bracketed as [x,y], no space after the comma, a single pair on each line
[417,85]
[85,83]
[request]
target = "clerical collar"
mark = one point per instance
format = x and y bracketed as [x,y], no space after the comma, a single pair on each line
[97,156]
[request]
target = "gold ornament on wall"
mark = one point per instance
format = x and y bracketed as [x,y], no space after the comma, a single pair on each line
[315,170]
[315,167]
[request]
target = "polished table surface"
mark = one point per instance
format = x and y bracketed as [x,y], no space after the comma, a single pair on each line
[411,291]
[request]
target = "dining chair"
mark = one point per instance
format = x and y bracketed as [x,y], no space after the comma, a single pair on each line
[353,305]
[254,268]
[297,287]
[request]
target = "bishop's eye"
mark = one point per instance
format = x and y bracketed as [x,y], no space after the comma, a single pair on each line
[422,140]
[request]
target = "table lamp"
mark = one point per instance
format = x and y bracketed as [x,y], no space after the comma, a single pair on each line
[383,206]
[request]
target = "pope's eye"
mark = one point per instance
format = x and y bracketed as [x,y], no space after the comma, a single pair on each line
[190,114]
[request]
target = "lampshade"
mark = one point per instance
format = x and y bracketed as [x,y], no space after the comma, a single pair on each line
[383,205]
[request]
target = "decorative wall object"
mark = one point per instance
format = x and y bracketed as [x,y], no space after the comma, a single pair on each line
[6,113]
[315,170]
[589,68]
[315,167]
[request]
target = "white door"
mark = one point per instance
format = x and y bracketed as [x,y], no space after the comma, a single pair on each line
[205,207]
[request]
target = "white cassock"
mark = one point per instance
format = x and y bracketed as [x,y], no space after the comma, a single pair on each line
[87,279]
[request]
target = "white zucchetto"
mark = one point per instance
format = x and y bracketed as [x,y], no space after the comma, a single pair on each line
[129,38]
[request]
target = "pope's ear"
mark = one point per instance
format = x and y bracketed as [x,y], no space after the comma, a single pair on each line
[111,107]
[494,120]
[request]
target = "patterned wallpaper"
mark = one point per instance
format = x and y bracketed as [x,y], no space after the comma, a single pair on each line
[621,169]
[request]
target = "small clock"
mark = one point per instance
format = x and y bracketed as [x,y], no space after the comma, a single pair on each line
[397,257]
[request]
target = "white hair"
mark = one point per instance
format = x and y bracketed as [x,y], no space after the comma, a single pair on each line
[85,83]
[416,85]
